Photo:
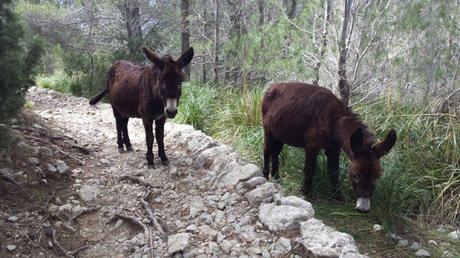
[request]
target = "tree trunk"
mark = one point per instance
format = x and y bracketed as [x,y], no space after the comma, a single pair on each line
[206,33]
[216,42]
[327,15]
[132,17]
[185,35]
[261,5]
[343,85]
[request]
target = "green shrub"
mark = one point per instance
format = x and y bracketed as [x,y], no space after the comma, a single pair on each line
[18,59]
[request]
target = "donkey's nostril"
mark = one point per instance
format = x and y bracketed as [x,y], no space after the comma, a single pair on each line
[171,113]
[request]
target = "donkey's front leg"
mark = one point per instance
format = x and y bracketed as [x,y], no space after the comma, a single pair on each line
[148,124]
[309,170]
[333,169]
[159,133]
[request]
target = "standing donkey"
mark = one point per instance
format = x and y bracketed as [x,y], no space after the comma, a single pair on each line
[313,118]
[148,92]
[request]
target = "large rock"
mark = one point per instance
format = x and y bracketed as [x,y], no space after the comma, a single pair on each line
[323,241]
[296,202]
[178,243]
[240,173]
[280,217]
[216,157]
[199,141]
[261,193]
[88,192]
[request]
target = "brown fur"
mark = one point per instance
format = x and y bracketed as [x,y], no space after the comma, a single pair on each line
[313,118]
[141,92]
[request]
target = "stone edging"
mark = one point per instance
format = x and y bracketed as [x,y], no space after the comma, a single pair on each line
[277,212]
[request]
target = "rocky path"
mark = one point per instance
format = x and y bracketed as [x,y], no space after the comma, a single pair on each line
[207,203]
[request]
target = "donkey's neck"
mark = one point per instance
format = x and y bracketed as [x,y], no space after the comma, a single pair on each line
[347,123]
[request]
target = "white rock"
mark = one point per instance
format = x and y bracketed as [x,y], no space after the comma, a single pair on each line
[415,246]
[261,193]
[51,167]
[178,243]
[296,202]
[65,207]
[422,253]
[13,218]
[280,248]
[432,242]
[88,192]
[280,217]
[240,173]
[248,234]
[227,245]
[377,228]
[323,241]
[61,166]
[255,181]
[192,228]
[76,209]
[454,235]
[33,161]
[11,247]
[403,243]
[196,206]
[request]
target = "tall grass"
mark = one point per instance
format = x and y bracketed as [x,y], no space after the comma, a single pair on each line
[421,179]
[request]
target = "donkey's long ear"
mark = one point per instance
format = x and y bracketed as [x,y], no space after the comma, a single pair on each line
[185,58]
[356,141]
[382,148]
[154,58]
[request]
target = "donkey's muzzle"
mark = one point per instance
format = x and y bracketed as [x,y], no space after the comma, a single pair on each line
[171,113]
[363,205]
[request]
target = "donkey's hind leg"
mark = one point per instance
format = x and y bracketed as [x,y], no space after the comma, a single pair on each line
[159,134]
[126,140]
[272,150]
[119,123]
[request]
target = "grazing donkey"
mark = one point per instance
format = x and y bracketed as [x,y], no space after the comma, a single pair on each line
[312,118]
[148,92]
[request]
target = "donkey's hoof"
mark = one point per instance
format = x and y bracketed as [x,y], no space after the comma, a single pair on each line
[129,148]
[306,191]
[165,162]
[121,150]
[151,166]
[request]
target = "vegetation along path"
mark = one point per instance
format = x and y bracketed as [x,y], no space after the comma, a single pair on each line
[208,202]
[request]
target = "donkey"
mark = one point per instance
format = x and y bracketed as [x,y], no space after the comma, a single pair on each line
[313,118]
[148,92]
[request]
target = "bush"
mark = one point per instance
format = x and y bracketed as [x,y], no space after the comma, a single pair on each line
[17,63]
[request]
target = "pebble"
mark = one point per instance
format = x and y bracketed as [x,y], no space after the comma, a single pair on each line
[33,161]
[432,242]
[403,243]
[377,228]
[454,235]
[13,218]
[415,246]
[422,253]
[61,166]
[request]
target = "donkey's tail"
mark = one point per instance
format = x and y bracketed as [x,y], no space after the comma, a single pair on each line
[98,97]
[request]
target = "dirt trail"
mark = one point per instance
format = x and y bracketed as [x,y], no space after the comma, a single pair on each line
[208,201]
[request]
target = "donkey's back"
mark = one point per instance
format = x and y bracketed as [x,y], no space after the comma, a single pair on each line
[295,113]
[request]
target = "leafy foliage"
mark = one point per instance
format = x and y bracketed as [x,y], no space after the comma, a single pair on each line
[18,60]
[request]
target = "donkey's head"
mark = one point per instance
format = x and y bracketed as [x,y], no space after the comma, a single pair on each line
[365,166]
[170,78]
